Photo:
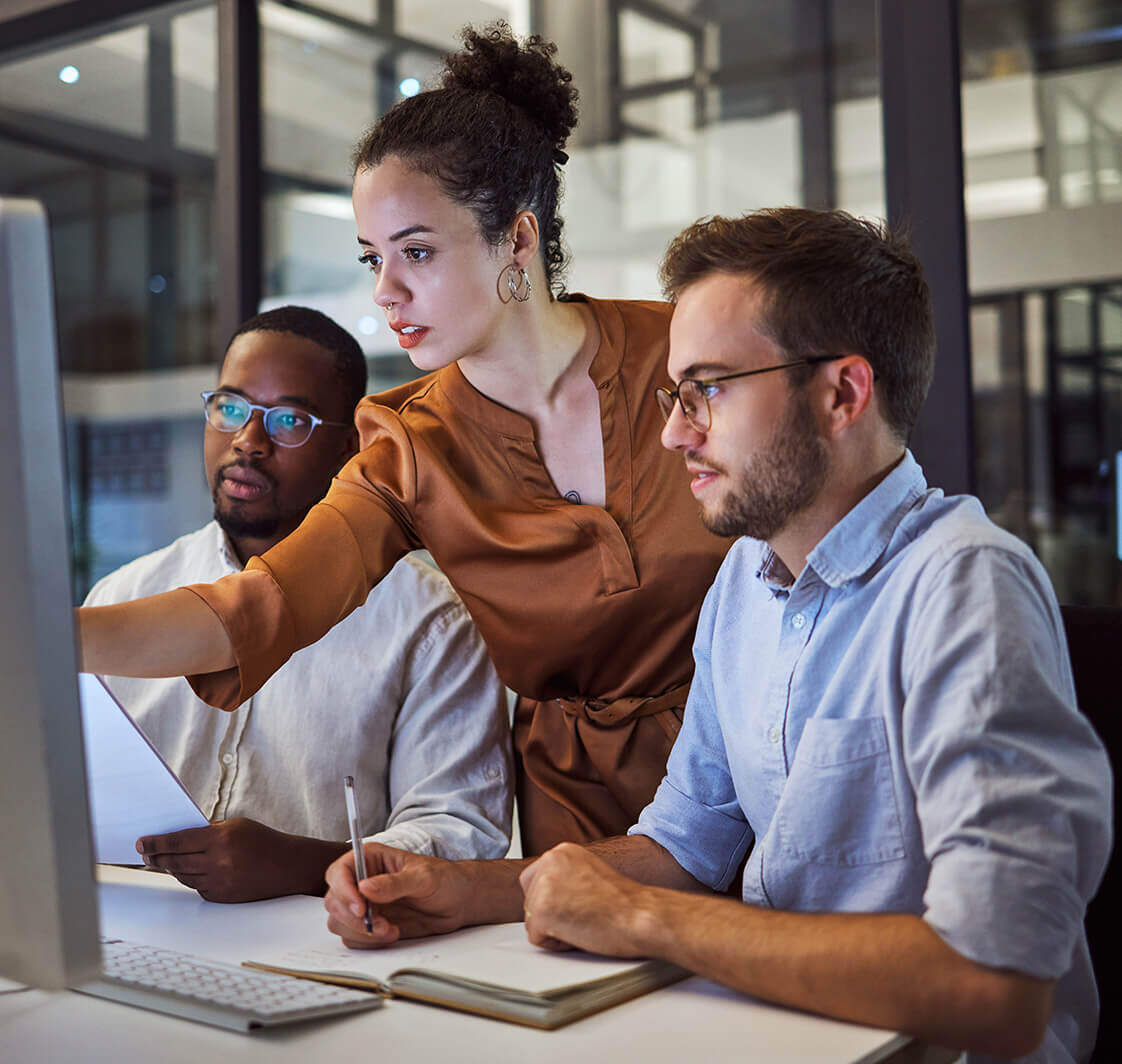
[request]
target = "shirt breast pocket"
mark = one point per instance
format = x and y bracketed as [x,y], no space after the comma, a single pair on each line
[839,804]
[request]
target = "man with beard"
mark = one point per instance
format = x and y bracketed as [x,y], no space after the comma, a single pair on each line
[881,732]
[401,695]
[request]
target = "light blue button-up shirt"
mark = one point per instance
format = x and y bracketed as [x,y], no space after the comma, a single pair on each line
[894,731]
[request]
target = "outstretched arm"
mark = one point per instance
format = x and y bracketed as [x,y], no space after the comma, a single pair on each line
[173,634]
[886,970]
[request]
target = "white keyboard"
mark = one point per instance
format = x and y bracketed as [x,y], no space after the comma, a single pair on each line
[224,995]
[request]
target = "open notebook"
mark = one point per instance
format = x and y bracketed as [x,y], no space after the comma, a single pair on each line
[132,790]
[492,971]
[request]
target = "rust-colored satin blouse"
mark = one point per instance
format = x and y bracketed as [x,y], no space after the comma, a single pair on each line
[588,612]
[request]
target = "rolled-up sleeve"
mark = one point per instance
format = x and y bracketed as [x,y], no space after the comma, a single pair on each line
[1012,786]
[451,776]
[297,591]
[695,814]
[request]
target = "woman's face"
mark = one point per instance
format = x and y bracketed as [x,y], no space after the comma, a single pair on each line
[434,274]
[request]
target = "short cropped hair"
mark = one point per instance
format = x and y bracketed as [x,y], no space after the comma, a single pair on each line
[350,363]
[832,284]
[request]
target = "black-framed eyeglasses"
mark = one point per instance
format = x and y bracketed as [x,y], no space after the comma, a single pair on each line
[287,426]
[694,396]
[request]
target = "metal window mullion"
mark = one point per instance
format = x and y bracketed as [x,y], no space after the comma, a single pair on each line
[665,17]
[537,16]
[1013,375]
[1101,427]
[162,347]
[922,115]
[55,25]
[99,147]
[238,184]
[615,72]
[373,31]
[1055,420]
[700,81]
[815,90]
[385,66]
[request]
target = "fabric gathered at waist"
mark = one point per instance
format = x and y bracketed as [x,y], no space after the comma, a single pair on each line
[609,712]
[589,766]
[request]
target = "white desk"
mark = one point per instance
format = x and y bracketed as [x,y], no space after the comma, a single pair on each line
[692,1021]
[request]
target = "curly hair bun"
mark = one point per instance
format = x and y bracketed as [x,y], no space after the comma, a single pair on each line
[526,74]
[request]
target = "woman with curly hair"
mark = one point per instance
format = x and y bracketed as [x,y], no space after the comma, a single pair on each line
[526,461]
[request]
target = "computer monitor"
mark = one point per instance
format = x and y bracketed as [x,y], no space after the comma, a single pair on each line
[48,900]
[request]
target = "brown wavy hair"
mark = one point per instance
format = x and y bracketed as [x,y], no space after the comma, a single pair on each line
[833,284]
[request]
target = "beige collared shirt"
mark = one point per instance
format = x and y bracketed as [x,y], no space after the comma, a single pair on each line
[401,695]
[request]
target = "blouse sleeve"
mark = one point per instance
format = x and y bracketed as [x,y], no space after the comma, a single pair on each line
[298,590]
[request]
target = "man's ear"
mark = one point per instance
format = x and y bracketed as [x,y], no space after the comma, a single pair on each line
[349,447]
[526,237]
[851,392]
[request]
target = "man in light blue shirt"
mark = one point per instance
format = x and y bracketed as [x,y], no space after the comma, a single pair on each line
[882,719]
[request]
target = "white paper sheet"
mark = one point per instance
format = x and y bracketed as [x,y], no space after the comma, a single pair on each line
[132,791]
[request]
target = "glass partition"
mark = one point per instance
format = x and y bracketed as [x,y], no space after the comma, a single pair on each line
[687,109]
[115,135]
[1042,138]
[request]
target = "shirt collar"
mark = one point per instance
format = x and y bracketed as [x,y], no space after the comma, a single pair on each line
[856,542]
[224,549]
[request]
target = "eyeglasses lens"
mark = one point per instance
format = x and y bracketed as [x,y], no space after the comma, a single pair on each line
[284,424]
[227,413]
[694,406]
[288,426]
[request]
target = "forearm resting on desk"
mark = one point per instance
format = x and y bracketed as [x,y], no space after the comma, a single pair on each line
[885,970]
[173,634]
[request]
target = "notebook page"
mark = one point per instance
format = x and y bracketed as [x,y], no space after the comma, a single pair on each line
[500,954]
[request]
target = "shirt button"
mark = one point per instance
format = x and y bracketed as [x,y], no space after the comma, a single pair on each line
[799,620]
[227,759]
[773,735]
[492,773]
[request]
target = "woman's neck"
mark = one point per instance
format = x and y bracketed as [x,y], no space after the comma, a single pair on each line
[543,349]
